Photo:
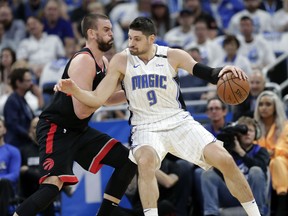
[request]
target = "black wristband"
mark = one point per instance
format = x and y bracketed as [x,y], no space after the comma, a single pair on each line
[206,73]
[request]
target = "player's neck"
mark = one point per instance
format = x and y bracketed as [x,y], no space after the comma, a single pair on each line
[148,55]
[98,54]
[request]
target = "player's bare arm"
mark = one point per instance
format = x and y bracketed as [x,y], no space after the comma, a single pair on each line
[180,59]
[83,77]
[116,98]
[105,89]
[183,60]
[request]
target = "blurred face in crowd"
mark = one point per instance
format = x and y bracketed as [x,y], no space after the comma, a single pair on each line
[52,11]
[252,5]
[248,138]
[231,48]
[186,21]
[201,31]
[192,4]
[6,17]
[34,27]
[246,27]
[266,107]
[257,83]
[215,110]
[6,58]
[195,54]
[27,82]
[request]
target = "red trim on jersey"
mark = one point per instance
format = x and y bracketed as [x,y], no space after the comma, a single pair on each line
[95,166]
[50,137]
[84,52]
[66,179]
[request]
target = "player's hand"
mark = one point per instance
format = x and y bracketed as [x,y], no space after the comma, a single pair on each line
[67,86]
[238,72]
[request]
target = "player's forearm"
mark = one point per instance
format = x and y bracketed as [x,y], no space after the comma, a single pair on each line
[88,98]
[116,99]
[206,73]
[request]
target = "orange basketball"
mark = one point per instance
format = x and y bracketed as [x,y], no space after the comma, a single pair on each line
[232,90]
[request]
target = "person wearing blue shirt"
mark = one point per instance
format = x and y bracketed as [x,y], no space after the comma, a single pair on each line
[10,158]
[222,10]
[10,162]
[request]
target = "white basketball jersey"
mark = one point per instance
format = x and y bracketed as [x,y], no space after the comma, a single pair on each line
[152,92]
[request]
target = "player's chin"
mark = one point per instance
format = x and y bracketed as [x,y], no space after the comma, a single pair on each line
[133,51]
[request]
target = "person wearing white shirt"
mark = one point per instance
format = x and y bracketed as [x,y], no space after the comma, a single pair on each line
[261,19]
[183,34]
[39,48]
[280,18]
[231,45]
[210,51]
[253,47]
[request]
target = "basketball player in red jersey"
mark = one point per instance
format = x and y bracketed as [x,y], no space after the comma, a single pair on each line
[64,135]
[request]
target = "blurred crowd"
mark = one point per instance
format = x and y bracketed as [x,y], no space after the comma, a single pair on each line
[38,37]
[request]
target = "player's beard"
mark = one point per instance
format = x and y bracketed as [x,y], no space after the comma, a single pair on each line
[104,46]
[136,52]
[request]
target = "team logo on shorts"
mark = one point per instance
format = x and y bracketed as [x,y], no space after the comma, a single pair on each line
[48,164]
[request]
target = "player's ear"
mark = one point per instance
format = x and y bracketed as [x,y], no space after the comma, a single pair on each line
[152,38]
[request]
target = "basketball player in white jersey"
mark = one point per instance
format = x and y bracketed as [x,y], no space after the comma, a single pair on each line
[159,121]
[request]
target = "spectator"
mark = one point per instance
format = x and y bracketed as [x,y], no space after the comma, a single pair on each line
[231,46]
[8,57]
[76,16]
[40,48]
[174,179]
[261,20]
[123,14]
[222,10]
[30,8]
[216,112]
[271,6]
[30,170]
[4,40]
[280,18]
[53,71]
[14,28]
[270,114]
[182,35]
[17,112]
[54,24]
[251,159]
[161,16]
[210,51]
[186,81]
[257,85]
[256,49]
[10,161]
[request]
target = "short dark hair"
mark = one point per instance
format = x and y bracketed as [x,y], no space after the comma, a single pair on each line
[223,105]
[229,39]
[90,22]
[145,25]
[17,74]
[243,18]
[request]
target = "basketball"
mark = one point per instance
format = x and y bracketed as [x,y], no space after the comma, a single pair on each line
[232,90]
